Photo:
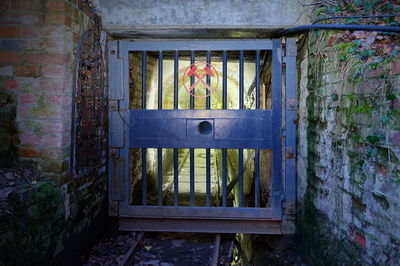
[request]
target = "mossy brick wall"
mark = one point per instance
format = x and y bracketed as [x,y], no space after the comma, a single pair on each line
[37,42]
[49,224]
[349,152]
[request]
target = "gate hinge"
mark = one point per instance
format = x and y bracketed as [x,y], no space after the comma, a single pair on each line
[113,104]
[290,208]
[115,153]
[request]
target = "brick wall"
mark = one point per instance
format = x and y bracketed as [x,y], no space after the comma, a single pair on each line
[37,42]
[349,152]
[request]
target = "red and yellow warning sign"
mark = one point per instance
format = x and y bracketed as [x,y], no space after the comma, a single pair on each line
[200,87]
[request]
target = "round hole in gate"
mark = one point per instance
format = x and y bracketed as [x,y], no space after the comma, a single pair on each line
[205,128]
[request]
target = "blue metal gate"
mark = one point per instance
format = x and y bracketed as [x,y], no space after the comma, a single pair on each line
[242,128]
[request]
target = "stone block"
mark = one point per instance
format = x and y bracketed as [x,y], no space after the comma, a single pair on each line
[395,67]
[57,19]
[30,152]
[27,98]
[54,72]
[362,119]
[9,57]
[10,31]
[6,71]
[56,6]
[11,84]
[393,138]
[28,71]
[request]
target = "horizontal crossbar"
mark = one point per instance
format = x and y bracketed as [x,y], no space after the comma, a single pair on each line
[230,129]
[221,45]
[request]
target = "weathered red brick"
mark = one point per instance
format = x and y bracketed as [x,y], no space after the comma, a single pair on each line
[28,139]
[51,85]
[54,99]
[16,4]
[395,68]
[40,111]
[358,238]
[54,72]
[10,31]
[9,57]
[55,6]
[11,84]
[29,152]
[27,98]
[30,32]
[33,58]
[20,18]
[55,45]
[55,127]
[56,59]
[3,5]
[28,71]
[34,5]
[51,154]
[54,140]
[57,19]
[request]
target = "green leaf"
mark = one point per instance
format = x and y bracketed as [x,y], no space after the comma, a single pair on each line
[373,139]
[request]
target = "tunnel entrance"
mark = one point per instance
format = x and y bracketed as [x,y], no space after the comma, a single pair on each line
[197,134]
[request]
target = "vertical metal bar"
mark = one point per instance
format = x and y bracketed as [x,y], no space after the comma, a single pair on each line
[176,80]
[257,151]
[192,199]
[192,196]
[208,153]
[176,183]
[208,80]
[224,178]
[240,177]
[224,79]
[160,191]
[224,106]
[241,79]
[192,60]
[276,124]
[208,177]
[241,106]
[291,107]
[257,178]
[159,151]
[144,175]
[258,79]
[144,66]
[160,81]
[176,104]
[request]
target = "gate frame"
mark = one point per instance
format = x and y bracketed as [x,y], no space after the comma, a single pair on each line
[275,220]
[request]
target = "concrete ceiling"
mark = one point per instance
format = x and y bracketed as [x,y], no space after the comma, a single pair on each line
[201,19]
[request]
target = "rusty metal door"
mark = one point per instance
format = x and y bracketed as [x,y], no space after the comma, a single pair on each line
[216,129]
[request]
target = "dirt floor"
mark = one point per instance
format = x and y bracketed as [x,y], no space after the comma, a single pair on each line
[183,249]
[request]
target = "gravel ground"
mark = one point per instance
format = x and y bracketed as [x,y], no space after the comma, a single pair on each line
[185,249]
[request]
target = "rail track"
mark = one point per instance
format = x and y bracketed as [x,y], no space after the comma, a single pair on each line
[178,249]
